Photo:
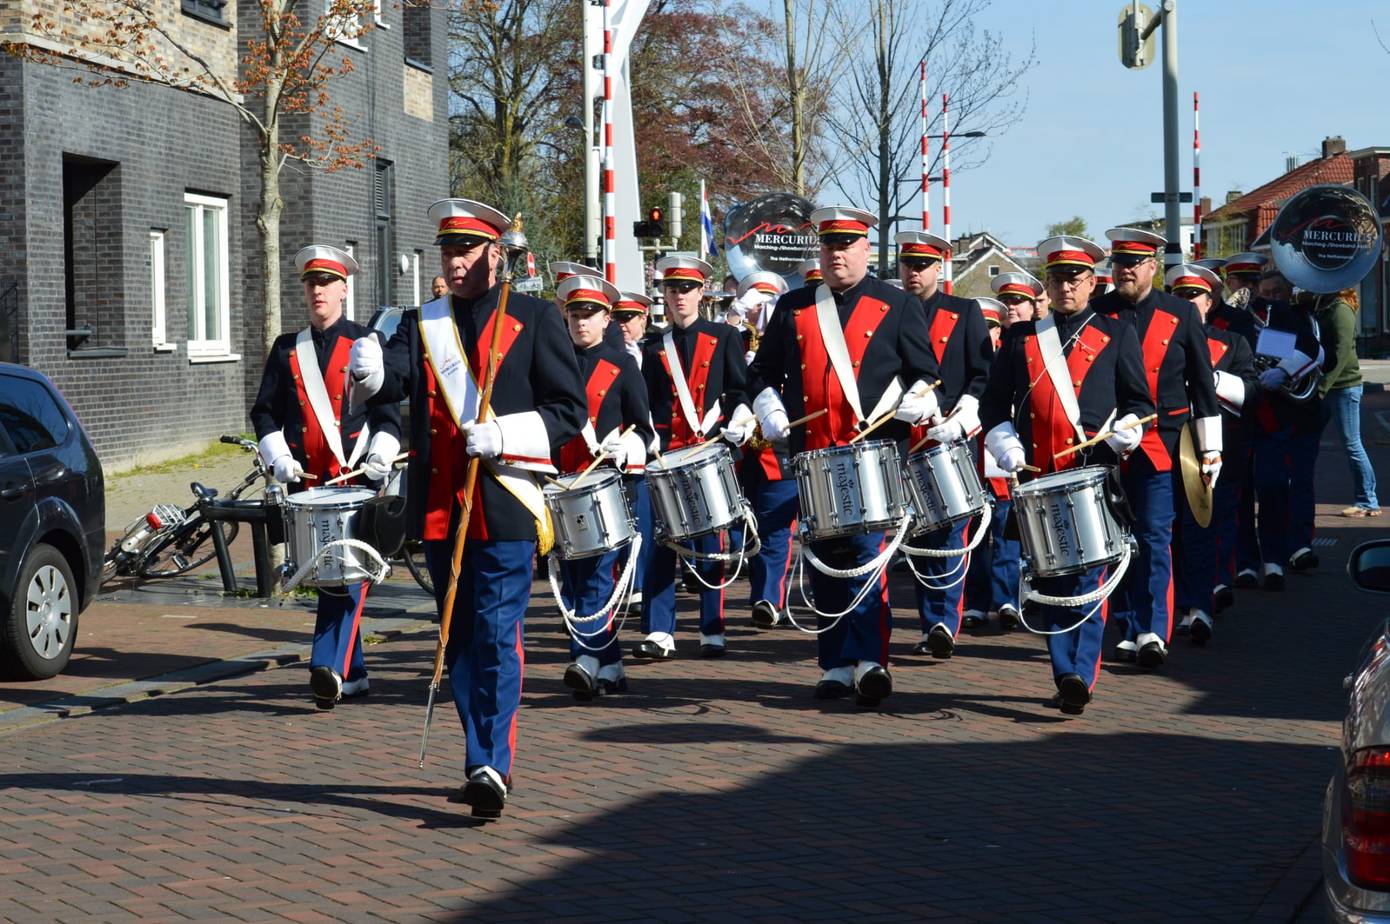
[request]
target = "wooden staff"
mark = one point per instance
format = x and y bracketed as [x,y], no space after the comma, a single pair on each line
[357,471]
[470,482]
[602,454]
[1100,437]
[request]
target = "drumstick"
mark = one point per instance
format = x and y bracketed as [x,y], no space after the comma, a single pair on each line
[357,471]
[887,416]
[1100,437]
[927,439]
[602,454]
[808,418]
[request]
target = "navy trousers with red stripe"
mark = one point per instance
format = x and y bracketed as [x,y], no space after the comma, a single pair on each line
[863,633]
[1077,651]
[585,586]
[1207,555]
[1143,602]
[486,636]
[337,632]
[659,589]
[993,578]
[775,506]
[940,605]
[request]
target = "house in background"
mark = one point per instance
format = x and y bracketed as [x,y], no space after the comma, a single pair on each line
[129,257]
[976,259]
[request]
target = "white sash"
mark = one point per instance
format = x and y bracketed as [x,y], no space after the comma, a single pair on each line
[1050,346]
[832,337]
[319,403]
[687,403]
[444,352]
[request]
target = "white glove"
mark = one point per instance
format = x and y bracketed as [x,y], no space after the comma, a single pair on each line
[1273,379]
[366,366]
[776,425]
[615,449]
[917,404]
[738,431]
[1211,467]
[285,469]
[484,439]
[1013,460]
[380,451]
[1124,437]
[948,431]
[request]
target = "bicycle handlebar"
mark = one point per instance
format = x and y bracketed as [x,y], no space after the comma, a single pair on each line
[236,441]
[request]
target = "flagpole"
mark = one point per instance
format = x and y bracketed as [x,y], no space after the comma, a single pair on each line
[704,210]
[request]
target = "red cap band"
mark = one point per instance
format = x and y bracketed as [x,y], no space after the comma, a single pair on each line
[474,227]
[1075,257]
[587,295]
[843,226]
[628,305]
[925,250]
[324,266]
[1191,282]
[1136,247]
[684,272]
[1018,288]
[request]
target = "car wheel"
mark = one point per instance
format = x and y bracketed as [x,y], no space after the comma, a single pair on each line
[40,628]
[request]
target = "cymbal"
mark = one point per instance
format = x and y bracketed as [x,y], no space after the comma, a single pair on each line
[1199,494]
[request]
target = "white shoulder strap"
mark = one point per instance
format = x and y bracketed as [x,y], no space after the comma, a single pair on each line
[1050,346]
[832,336]
[319,404]
[673,359]
[444,352]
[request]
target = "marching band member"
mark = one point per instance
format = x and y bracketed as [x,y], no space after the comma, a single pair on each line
[438,358]
[630,315]
[1019,293]
[1105,279]
[560,270]
[766,476]
[991,585]
[810,271]
[617,400]
[696,378]
[1054,382]
[1177,367]
[961,344]
[1207,555]
[308,429]
[1242,276]
[849,346]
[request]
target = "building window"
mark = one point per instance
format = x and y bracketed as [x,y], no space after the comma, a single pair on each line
[346,29]
[376,15]
[209,290]
[92,266]
[993,270]
[208,10]
[158,329]
[415,19]
[350,302]
[384,195]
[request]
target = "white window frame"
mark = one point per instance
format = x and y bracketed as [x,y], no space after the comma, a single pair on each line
[377,16]
[415,274]
[349,34]
[350,303]
[200,347]
[159,331]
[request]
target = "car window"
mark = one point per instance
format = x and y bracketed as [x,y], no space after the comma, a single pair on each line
[29,414]
[386,321]
[6,446]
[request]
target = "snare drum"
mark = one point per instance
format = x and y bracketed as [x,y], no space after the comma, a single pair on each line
[591,519]
[850,490]
[1066,522]
[320,516]
[945,487]
[694,491]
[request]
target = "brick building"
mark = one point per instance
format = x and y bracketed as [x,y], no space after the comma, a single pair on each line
[129,258]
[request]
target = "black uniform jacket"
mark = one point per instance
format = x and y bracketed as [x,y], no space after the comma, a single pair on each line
[886,335]
[1102,354]
[1177,366]
[961,344]
[616,397]
[278,403]
[711,354]
[537,374]
[1231,354]
[1274,410]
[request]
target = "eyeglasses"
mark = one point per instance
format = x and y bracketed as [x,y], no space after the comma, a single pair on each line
[1067,282]
[916,264]
[1015,299]
[1190,294]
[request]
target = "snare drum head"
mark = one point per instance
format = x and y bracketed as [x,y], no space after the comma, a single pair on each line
[331,497]
[1071,479]
[591,483]
[703,453]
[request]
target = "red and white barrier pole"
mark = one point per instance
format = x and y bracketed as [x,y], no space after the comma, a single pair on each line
[946,185]
[1196,184]
[926,166]
[610,199]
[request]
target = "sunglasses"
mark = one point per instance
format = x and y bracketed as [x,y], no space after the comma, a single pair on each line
[681,285]
[916,264]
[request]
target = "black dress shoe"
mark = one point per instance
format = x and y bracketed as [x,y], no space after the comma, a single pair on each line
[712,651]
[610,687]
[578,680]
[651,651]
[831,689]
[1008,619]
[875,684]
[974,621]
[1072,694]
[1151,655]
[485,795]
[1303,560]
[1274,581]
[326,686]
[940,643]
[1201,632]
[1222,598]
[1247,580]
[867,702]
[764,615]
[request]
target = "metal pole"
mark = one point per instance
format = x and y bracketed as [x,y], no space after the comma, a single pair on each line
[926,195]
[1172,208]
[1196,183]
[946,187]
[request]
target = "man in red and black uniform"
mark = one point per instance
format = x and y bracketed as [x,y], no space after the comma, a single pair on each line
[696,382]
[1177,367]
[963,350]
[437,359]
[857,348]
[307,428]
[1207,554]
[619,426]
[1056,382]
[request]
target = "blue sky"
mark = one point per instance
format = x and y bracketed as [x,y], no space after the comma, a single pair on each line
[1275,77]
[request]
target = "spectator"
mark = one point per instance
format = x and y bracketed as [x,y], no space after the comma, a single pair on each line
[1341,393]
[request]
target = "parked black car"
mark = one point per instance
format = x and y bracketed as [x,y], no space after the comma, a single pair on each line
[52,525]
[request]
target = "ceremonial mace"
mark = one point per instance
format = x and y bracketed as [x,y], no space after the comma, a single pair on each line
[514,248]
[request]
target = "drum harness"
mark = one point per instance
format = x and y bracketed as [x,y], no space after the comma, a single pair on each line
[622,595]
[379,567]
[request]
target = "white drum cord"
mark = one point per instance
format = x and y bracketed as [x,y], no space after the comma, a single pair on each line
[961,568]
[688,556]
[382,567]
[1096,597]
[620,598]
[874,568]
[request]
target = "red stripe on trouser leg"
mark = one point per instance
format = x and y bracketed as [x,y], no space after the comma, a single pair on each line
[356,622]
[1104,614]
[885,614]
[719,579]
[1168,629]
[516,714]
[786,567]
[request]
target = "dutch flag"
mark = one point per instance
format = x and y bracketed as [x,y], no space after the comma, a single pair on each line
[708,247]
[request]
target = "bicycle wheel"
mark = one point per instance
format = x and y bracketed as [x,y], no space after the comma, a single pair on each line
[188,547]
[414,555]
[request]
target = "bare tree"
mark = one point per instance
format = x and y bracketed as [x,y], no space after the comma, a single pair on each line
[878,113]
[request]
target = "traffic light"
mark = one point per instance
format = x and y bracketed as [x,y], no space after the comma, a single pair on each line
[654,228]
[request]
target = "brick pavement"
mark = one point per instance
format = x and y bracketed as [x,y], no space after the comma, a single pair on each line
[717,790]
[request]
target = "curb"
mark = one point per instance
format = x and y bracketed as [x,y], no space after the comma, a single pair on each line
[1296,889]
[134,691]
